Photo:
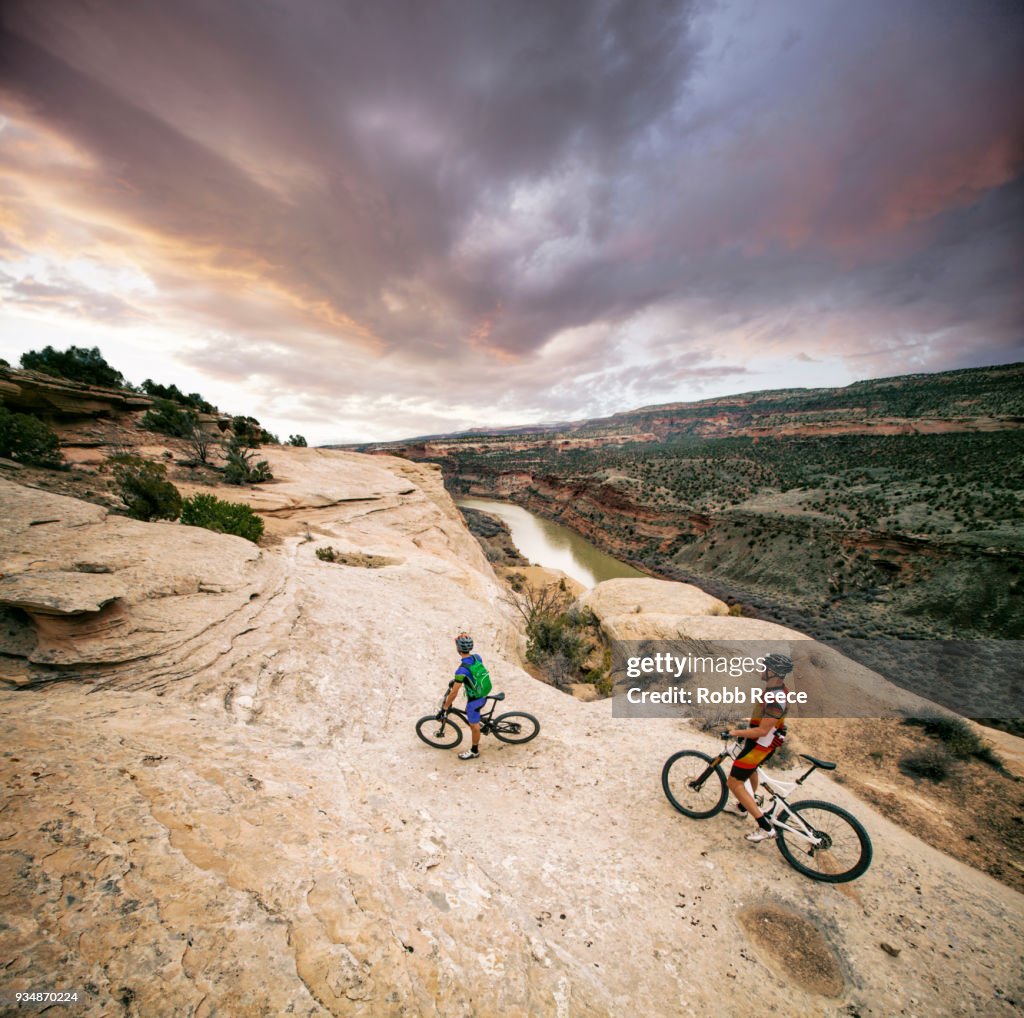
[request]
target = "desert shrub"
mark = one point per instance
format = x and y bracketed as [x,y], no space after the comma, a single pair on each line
[224,517]
[327,554]
[297,440]
[240,468]
[200,440]
[76,364]
[248,431]
[145,489]
[954,733]
[236,470]
[28,440]
[170,419]
[172,392]
[989,756]
[716,718]
[260,472]
[558,635]
[931,762]
[559,638]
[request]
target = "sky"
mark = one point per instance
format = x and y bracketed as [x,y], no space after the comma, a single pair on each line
[363,221]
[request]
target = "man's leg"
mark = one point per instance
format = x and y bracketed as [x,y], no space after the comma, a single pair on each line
[473,720]
[745,769]
[743,797]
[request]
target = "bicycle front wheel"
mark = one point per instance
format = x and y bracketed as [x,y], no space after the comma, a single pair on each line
[515,727]
[694,784]
[440,734]
[845,849]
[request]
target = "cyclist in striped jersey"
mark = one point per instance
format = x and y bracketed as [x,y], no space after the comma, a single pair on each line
[766,733]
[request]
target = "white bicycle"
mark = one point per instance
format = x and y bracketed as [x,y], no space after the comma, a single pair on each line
[819,839]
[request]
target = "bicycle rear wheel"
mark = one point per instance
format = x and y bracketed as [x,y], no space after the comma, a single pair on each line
[845,850]
[440,734]
[515,727]
[694,784]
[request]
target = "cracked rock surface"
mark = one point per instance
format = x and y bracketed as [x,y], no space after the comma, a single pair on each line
[234,817]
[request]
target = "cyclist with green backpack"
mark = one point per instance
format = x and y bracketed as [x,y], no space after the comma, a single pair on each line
[474,680]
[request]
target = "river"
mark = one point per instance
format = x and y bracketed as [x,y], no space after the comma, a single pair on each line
[553,545]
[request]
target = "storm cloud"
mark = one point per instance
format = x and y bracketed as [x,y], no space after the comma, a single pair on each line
[399,211]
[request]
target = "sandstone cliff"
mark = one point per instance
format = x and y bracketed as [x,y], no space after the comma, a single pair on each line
[216,803]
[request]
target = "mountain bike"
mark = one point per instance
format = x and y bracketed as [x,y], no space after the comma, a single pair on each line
[440,731]
[818,839]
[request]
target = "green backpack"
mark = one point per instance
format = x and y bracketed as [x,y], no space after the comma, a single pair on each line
[478,683]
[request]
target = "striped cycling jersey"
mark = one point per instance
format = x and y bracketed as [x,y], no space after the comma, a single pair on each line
[776,710]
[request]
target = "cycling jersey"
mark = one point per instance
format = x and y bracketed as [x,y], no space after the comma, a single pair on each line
[776,710]
[755,752]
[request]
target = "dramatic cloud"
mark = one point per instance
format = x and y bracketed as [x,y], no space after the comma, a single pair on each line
[386,218]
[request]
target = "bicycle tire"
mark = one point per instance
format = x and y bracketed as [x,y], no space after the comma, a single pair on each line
[838,869]
[444,734]
[683,768]
[526,727]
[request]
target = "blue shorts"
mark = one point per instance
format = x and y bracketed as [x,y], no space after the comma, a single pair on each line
[473,710]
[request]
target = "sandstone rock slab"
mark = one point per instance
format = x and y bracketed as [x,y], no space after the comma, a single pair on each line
[628,596]
[98,590]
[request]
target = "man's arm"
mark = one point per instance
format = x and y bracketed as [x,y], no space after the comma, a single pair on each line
[766,725]
[768,722]
[455,687]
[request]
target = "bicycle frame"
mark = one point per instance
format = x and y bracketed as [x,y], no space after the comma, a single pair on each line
[485,719]
[778,791]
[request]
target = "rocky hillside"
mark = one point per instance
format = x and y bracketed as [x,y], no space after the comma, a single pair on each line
[969,400]
[887,508]
[216,803]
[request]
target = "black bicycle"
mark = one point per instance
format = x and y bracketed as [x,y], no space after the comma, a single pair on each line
[440,731]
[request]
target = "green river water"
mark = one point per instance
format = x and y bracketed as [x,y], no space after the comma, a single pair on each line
[553,545]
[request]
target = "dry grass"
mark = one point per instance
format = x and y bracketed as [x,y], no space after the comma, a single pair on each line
[975,814]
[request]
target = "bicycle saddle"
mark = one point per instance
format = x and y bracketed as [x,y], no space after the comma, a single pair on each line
[497,696]
[823,764]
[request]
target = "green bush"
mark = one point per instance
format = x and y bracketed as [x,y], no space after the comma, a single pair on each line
[172,392]
[297,440]
[327,554]
[240,468]
[28,440]
[931,762]
[169,419]
[145,489]
[76,364]
[954,733]
[556,636]
[559,636]
[248,431]
[213,513]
